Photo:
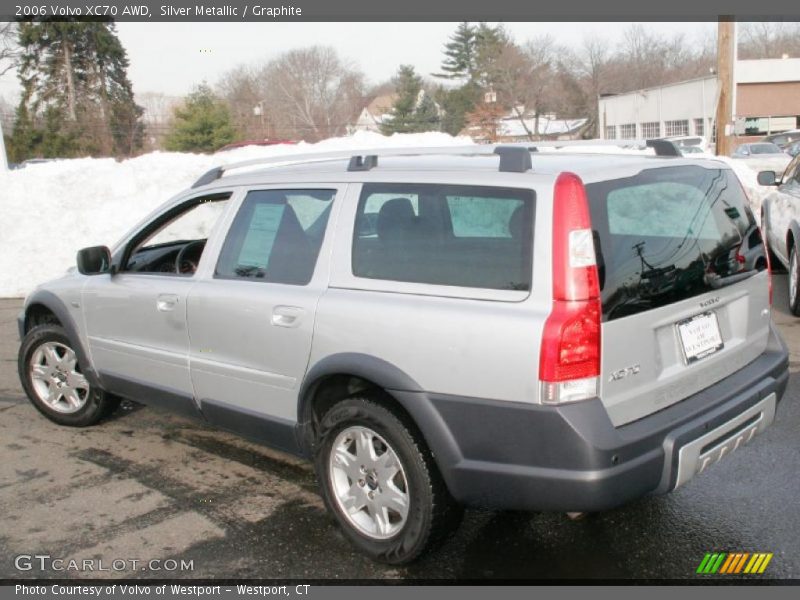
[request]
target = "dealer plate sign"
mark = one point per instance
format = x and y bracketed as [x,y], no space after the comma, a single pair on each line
[700,336]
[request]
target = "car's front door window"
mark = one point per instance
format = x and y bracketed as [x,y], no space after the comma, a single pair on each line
[173,244]
[276,236]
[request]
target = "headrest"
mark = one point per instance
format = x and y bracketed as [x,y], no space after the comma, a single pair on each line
[395,218]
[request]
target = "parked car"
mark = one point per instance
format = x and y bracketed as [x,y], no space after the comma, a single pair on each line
[793,149]
[783,139]
[752,253]
[762,156]
[693,151]
[780,220]
[386,316]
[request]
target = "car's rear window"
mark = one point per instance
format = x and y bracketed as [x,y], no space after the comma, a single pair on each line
[454,235]
[764,149]
[668,234]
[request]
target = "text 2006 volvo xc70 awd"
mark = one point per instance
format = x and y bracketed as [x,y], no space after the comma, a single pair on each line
[434,328]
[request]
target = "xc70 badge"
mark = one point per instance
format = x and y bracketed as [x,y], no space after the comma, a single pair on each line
[623,373]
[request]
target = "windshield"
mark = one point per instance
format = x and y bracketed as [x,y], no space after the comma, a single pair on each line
[668,234]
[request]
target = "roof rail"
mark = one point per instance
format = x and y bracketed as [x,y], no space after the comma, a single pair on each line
[662,147]
[208,177]
[363,163]
[302,158]
[514,157]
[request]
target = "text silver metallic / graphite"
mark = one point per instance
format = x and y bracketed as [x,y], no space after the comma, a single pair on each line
[201,10]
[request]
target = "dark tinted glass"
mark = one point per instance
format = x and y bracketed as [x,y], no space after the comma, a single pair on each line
[468,236]
[276,236]
[764,149]
[668,234]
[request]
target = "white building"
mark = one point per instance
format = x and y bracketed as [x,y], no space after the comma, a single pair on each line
[767,101]
[685,108]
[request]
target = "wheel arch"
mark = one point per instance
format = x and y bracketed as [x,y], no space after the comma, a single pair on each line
[44,306]
[340,376]
[791,238]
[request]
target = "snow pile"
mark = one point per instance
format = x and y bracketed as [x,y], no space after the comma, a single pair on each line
[49,211]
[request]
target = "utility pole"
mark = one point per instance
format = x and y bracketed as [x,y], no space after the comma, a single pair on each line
[726,52]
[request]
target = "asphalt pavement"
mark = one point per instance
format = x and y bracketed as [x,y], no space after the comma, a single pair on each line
[200,503]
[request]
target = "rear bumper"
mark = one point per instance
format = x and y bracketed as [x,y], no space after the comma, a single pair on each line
[571,458]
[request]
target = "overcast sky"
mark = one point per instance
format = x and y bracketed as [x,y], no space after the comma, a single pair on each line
[172,57]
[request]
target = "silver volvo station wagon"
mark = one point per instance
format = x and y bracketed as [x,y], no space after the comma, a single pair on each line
[496,326]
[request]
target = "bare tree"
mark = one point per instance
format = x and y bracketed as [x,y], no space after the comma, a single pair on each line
[769,40]
[313,92]
[244,91]
[594,55]
[9,51]
[523,78]
[158,112]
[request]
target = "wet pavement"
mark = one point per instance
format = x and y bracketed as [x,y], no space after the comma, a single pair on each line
[149,485]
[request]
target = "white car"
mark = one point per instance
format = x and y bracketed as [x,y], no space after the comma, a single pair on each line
[780,220]
[763,156]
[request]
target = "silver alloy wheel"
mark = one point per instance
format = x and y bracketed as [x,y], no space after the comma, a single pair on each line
[793,268]
[368,482]
[56,378]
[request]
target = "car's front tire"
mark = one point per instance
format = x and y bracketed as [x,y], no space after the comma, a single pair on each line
[54,382]
[380,482]
[794,282]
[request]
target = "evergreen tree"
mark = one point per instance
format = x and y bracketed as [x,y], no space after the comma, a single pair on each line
[426,114]
[459,52]
[120,116]
[408,86]
[75,90]
[489,45]
[202,124]
[414,110]
[25,139]
[456,104]
[469,56]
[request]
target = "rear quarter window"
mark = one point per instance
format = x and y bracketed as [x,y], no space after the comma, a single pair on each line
[451,235]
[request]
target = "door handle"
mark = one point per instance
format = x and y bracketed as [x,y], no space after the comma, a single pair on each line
[166,302]
[287,316]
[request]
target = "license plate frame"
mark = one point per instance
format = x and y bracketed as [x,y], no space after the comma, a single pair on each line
[699,336]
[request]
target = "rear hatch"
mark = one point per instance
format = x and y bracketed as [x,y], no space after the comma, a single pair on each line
[682,308]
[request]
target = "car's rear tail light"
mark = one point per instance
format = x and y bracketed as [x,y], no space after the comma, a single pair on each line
[569,359]
[740,259]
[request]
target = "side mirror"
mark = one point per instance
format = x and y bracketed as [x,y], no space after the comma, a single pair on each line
[94,260]
[767,178]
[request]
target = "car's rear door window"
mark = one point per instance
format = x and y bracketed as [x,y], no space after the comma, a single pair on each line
[453,235]
[668,234]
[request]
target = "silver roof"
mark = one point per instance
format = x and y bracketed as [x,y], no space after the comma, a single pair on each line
[589,166]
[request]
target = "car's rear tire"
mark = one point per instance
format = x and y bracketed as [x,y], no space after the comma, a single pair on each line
[54,382]
[794,282]
[380,483]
